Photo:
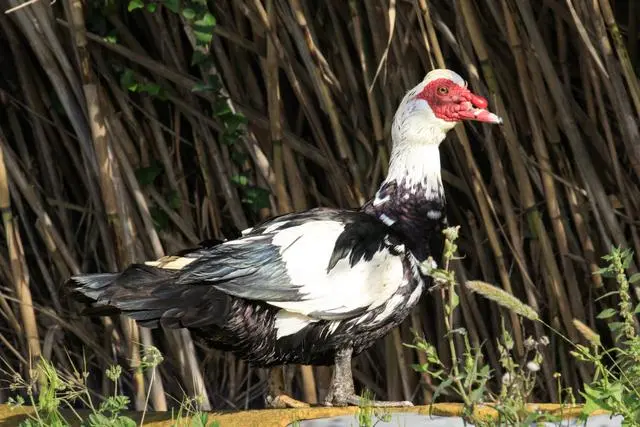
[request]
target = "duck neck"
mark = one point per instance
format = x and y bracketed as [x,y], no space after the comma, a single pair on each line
[417,169]
[411,199]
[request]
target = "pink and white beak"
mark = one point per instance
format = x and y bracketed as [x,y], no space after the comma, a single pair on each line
[475,108]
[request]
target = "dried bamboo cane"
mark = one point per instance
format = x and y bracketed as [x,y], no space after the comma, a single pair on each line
[19,269]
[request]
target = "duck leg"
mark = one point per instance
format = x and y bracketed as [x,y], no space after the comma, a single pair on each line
[342,391]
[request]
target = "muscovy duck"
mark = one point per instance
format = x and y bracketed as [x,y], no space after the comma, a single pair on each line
[315,287]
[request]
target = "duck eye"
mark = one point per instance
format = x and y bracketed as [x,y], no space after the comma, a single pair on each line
[442,90]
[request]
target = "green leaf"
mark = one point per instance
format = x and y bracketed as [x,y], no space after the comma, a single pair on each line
[135,4]
[111,38]
[99,420]
[606,313]
[455,300]
[202,35]
[635,278]
[128,81]
[152,7]
[188,13]
[484,371]
[152,89]
[207,20]
[199,58]
[114,404]
[147,175]
[221,107]
[239,157]
[203,28]
[256,197]
[637,309]
[212,85]
[241,180]
[160,218]
[174,200]
[420,367]
[235,121]
[477,394]
[616,326]
[605,272]
[123,421]
[200,87]
[592,400]
[442,388]
[172,5]
[615,391]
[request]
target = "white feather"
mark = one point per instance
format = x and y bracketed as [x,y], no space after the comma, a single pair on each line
[333,326]
[434,214]
[389,308]
[387,221]
[416,164]
[415,295]
[245,240]
[273,227]
[378,201]
[288,323]
[172,262]
[306,250]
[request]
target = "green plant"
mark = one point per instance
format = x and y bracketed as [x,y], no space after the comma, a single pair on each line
[466,375]
[49,391]
[368,413]
[57,391]
[190,415]
[616,383]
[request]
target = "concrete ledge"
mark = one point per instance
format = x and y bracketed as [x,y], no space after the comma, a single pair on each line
[283,417]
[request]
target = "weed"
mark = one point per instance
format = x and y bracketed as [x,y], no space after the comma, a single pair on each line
[49,391]
[466,375]
[616,384]
[367,413]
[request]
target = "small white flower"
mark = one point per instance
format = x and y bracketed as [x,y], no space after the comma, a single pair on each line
[506,378]
[533,366]
[428,265]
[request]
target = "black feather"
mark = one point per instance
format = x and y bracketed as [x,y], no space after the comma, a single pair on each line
[221,295]
[408,208]
[360,239]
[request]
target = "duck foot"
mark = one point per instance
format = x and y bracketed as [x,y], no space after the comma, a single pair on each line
[342,390]
[355,400]
[282,401]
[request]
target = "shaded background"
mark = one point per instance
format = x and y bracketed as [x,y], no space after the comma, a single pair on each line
[133,129]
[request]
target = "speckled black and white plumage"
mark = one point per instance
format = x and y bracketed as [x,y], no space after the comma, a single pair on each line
[241,296]
[314,287]
[414,213]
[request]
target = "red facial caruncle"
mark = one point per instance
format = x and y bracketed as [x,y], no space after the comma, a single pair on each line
[452,102]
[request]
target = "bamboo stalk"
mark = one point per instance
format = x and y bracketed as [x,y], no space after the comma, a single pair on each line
[585,166]
[275,119]
[19,271]
[621,51]
[109,182]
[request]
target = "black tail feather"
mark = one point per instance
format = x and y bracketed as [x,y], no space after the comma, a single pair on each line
[136,292]
[151,296]
[91,286]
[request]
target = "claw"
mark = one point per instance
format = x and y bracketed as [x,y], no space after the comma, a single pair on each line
[355,400]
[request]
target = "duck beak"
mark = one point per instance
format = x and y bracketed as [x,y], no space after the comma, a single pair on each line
[475,108]
[479,115]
